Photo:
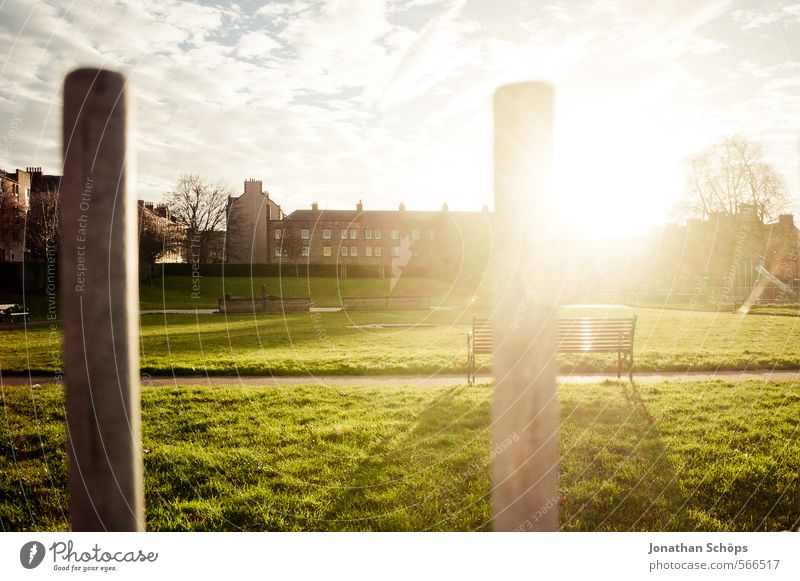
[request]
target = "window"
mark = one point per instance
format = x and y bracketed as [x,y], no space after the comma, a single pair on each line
[353,251]
[305,234]
[368,251]
[344,233]
[277,233]
[431,234]
[377,234]
[353,234]
[326,250]
[326,234]
[344,250]
[368,234]
[277,253]
[377,251]
[415,234]
[395,251]
[395,235]
[306,251]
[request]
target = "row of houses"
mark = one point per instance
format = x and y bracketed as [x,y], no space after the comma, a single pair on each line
[259,232]
[724,249]
[732,249]
[376,240]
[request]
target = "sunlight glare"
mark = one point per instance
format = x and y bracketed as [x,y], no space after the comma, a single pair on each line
[616,172]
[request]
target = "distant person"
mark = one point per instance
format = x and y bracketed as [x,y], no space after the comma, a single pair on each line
[263,290]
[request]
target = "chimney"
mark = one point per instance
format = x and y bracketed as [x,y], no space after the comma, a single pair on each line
[445,207]
[252,186]
[359,207]
[402,207]
[314,207]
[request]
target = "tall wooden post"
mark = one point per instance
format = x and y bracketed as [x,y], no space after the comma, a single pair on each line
[525,409]
[100,300]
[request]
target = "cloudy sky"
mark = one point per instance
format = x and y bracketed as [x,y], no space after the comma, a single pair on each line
[390,100]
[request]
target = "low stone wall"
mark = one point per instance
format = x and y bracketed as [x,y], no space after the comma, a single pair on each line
[385,303]
[269,305]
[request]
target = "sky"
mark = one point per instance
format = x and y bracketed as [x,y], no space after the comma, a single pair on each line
[390,101]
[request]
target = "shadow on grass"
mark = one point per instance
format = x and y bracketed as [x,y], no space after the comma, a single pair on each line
[433,476]
[616,473]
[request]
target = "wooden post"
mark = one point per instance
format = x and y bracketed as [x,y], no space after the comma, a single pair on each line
[100,298]
[525,411]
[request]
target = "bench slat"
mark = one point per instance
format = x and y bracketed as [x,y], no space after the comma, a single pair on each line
[575,335]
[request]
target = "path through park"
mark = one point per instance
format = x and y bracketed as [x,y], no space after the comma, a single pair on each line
[418,380]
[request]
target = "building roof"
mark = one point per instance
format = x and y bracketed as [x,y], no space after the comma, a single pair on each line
[385,216]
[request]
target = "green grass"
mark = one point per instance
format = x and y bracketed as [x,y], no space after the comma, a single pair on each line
[184,292]
[684,456]
[326,343]
[177,292]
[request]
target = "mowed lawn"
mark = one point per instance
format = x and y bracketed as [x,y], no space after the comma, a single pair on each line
[671,456]
[426,342]
[184,292]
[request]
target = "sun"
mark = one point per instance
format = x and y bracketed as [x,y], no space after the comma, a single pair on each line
[616,172]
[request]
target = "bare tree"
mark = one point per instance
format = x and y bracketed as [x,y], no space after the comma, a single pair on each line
[291,245]
[43,227]
[201,207]
[729,174]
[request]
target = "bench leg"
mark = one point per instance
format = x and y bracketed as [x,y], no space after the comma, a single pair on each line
[630,368]
[474,366]
[472,370]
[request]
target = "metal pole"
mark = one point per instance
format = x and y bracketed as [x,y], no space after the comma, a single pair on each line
[525,411]
[100,297]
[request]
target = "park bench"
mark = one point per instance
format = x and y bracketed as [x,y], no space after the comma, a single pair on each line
[13,312]
[575,335]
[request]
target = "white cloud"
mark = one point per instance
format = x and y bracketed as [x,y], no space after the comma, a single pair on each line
[256,44]
[429,57]
[390,100]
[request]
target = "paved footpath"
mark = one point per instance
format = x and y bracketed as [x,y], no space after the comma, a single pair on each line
[419,380]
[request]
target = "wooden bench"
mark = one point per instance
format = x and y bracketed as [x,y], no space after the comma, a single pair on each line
[14,312]
[575,335]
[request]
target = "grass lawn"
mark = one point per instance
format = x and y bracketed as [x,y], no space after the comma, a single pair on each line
[686,456]
[184,292]
[177,292]
[327,343]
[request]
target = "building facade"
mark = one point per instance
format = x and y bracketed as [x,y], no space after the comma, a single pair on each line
[170,228]
[384,240]
[377,242]
[15,192]
[249,216]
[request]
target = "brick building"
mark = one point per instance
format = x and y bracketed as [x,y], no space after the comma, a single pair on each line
[160,216]
[249,215]
[15,191]
[375,242]
[725,255]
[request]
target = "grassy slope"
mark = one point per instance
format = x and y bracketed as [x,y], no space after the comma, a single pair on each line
[706,456]
[174,292]
[324,343]
[180,292]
